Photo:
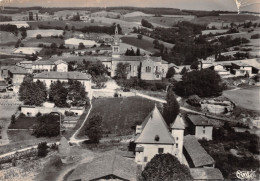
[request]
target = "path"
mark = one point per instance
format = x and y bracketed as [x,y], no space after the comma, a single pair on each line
[164,101]
[73,138]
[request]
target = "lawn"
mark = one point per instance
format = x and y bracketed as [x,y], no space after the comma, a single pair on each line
[23,123]
[121,114]
[143,44]
[245,98]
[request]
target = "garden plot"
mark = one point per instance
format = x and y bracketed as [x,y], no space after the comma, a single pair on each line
[44,33]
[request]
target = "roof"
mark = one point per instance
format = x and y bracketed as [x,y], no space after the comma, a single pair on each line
[206,174]
[178,123]
[173,65]
[60,62]
[138,58]
[17,70]
[26,62]
[199,120]
[63,75]
[44,62]
[110,163]
[196,152]
[241,64]
[153,126]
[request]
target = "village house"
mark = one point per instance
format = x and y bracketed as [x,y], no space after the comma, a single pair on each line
[220,69]
[242,69]
[27,65]
[199,126]
[49,77]
[42,66]
[153,137]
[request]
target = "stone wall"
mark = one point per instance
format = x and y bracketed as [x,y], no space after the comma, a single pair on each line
[217,106]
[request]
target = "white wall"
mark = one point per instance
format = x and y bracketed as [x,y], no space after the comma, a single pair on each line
[208,132]
[178,137]
[62,67]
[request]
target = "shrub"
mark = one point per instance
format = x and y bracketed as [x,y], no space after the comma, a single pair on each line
[42,149]
[22,115]
[68,113]
[39,36]
[38,114]
[194,100]
[115,94]
[139,37]
[255,36]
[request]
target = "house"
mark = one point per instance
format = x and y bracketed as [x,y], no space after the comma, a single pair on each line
[27,65]
[111,165]
[153,137]
[220,69]
[241,69]
[195,154]
[61,66]
[199,126]
[49,77]
[206,174]
[17,75]
[42,66]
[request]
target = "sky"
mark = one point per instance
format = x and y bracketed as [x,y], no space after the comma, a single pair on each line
[228,5]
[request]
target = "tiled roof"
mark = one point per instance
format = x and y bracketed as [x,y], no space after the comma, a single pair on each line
[178,123]
[138,58]
[17,70]
[206,174]
[59,62]
[26,62]
[196,152]
[110,163]
[43,62]
[241,64]
[155,126]
[199,120]
[63,75]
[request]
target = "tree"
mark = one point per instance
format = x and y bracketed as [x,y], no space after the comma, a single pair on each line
[32,93]
[139,36]
[81,46]
[194,65]
[42,149]
[146,24]
[47,125]
[58,94]
[39,36]
[76,93]
[138,52]
[13,119]
[53,46]
[165,167]
[94,128]
[171,109]
[183,71]
[203,83]
[122,70]
[170,73]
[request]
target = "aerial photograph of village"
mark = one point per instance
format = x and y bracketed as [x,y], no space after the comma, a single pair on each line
[137,90]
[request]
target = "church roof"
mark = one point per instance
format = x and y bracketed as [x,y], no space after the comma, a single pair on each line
[155,130]
[63,75]
[178,123]
[139,58]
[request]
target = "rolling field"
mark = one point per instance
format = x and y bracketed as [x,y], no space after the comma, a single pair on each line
[120,114]
[44,33]
[143,44]
[246,98]
[33,42]
[7,38]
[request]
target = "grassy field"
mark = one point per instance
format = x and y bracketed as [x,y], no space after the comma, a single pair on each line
[33,42]
[245,98]
[120,114]
[143,44]
[7,38]
[23,123]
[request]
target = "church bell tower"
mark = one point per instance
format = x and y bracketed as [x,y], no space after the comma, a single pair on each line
[116,45]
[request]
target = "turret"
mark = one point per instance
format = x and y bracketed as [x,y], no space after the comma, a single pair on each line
[177,129]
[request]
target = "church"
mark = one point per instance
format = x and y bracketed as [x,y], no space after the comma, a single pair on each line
[147,67]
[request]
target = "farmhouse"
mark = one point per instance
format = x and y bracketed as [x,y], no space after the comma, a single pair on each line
[199,126]
[49,77]
[153,137]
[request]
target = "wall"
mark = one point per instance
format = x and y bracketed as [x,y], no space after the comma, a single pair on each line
[208,132]
[178,137]
[32,111]
[150,150]
[62,67]
[41,68]
[151,75]
[134,67]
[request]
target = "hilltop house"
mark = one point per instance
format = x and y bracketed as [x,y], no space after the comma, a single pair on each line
[199,126]
[153,137]
[49,77]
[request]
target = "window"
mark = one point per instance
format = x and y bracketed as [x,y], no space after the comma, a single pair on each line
[156,68]
[157,76]
[160,150]
[177,138]
[204,131]
[148,69]
[204,127]
[130,68]
[145,159]
[176,145]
